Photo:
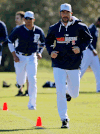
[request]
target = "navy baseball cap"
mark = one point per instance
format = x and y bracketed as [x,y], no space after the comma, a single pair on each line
[66,7]
[29,14]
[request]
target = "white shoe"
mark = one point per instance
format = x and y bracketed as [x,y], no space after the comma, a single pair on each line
[31,108]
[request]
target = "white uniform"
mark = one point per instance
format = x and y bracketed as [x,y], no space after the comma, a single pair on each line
[0,54]
[26,52]
[90,60]
[72,88]
[27,64]
[25,75]
[66,65]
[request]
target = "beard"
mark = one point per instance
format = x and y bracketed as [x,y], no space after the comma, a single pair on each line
[65,19]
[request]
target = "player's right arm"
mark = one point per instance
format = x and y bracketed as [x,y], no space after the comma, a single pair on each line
[91,46]
[49,41]
[13,36]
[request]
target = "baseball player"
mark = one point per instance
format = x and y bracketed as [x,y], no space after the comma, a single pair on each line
[72,37]
[19,20]
[3,37]
[90,57]
[25,58]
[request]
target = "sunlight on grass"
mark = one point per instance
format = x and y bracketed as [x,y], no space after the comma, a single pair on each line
[84,111]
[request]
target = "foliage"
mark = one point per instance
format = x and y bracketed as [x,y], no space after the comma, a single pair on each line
[46,14]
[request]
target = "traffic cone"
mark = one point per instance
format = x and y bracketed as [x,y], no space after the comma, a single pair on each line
[39,123]
[5,106]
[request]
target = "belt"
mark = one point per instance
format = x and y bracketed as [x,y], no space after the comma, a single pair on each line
[25,54]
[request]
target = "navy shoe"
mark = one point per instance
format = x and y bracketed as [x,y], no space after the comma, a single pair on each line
[26,93]
[68,97]
[65,124]
[20,93]
[5,84]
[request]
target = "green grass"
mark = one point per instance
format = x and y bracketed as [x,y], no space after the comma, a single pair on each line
[84,111]
[44,63]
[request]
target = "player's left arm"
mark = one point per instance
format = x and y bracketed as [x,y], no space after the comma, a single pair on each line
[85,38]
[41,45]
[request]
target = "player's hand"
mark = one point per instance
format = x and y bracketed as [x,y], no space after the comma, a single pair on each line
[16,59]
[54,54]
[39,56]
[94,52]
[76,49]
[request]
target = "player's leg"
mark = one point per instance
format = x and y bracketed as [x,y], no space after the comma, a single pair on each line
[87,57]
[0,59]
[73,82]
[26,92]
[60,81]
[95,66]
[20,70]
[31,69]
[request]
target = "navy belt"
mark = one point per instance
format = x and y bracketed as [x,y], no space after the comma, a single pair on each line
[25,54]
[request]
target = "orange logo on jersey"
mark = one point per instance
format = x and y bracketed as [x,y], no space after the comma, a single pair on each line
[61,39]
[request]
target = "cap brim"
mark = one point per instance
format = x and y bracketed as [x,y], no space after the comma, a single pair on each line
[65,10]
[28,17]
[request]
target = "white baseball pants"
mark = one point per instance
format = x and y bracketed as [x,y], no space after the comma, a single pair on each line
[73,82]
[0,57]
[93,61]
[27,64]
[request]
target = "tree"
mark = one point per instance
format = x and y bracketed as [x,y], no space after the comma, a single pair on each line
[46,14]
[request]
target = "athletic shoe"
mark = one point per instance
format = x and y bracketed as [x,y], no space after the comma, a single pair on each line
[26,93]
[31,108]
[65,124]
[17,85]
[68,97]
[20,93]
[5,84]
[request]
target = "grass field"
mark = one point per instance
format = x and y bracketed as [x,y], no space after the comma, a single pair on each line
[84,111]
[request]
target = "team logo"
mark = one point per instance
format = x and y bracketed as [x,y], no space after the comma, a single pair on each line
[67,40]
[36,37]
[61,39]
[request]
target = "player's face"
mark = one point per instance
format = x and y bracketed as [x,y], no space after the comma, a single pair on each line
[18,20]
[29,21]
[65,16]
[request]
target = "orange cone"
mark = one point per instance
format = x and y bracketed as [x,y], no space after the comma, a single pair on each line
[5,106]
[39,123]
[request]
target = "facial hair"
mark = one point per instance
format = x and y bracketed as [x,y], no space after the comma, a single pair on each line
[65,21]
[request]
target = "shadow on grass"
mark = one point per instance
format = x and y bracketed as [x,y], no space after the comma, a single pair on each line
[83,92]
[8,130]
[7,97]
[46,93]
[33,128]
